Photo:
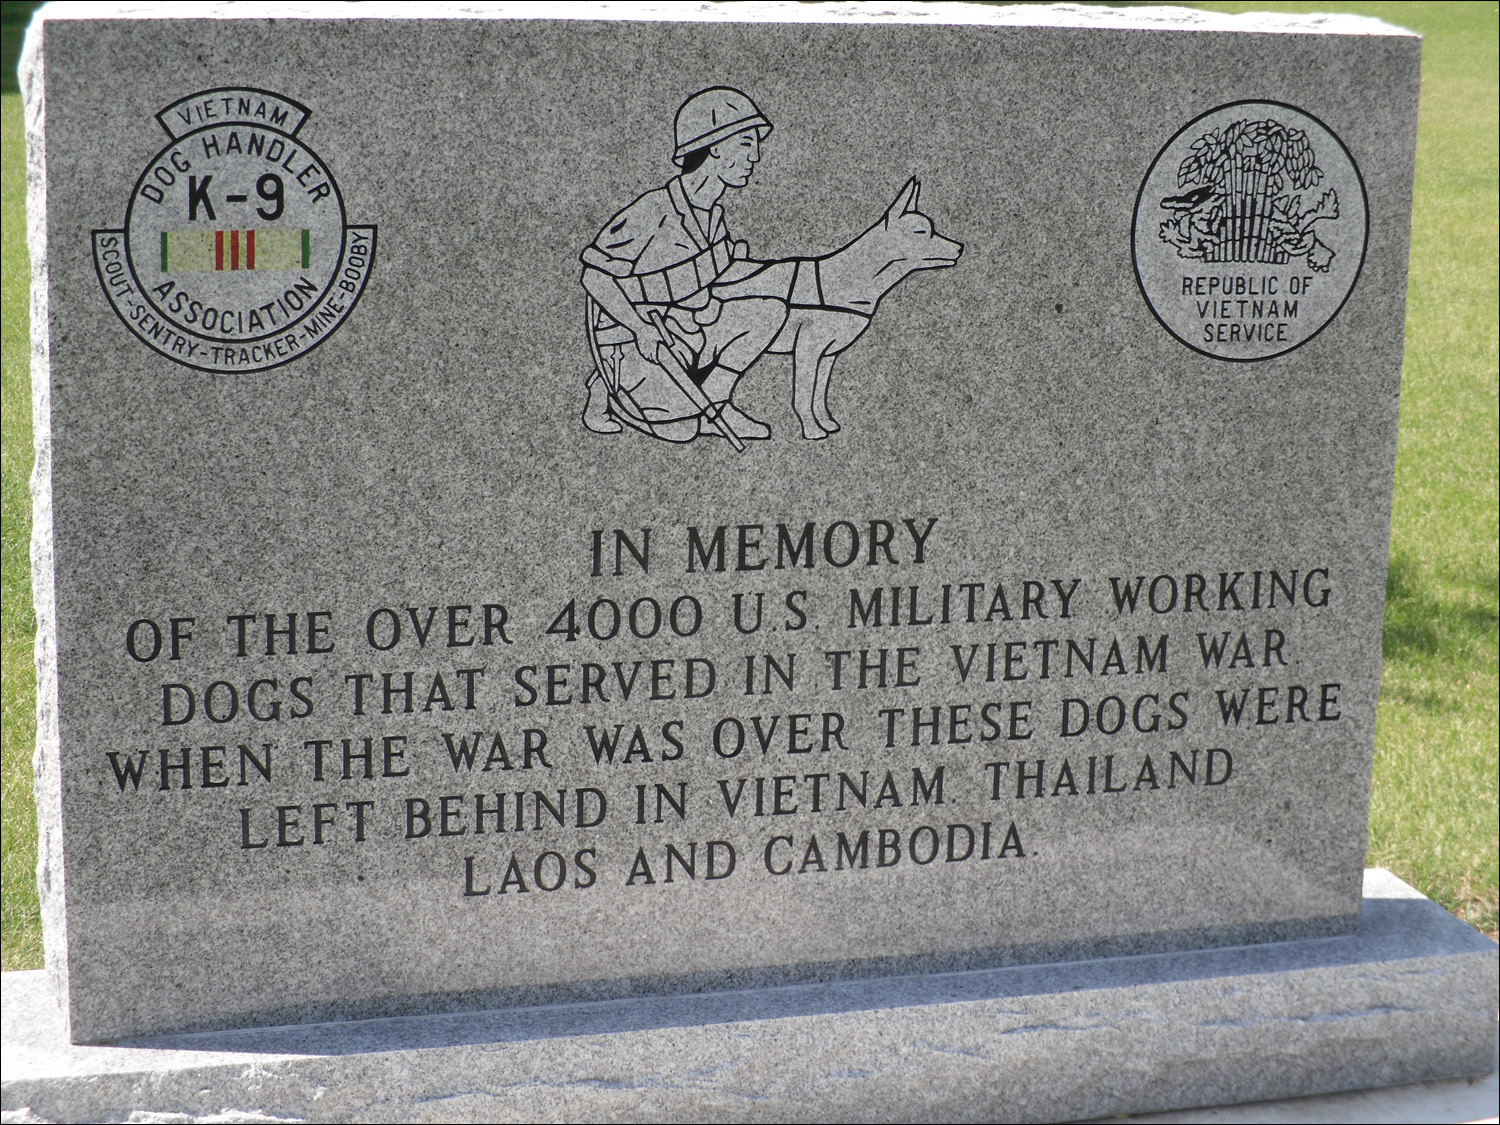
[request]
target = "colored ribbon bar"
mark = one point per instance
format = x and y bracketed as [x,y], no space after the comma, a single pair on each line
[214,251]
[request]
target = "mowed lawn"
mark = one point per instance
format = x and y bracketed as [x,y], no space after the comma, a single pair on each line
[1433,811]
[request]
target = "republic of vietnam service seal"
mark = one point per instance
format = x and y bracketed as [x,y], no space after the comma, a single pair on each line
[236,254]
[1250,230]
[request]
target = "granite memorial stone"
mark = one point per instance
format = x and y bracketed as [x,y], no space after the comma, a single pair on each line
[660,501]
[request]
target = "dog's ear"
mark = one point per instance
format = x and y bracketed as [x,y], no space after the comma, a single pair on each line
[904,200]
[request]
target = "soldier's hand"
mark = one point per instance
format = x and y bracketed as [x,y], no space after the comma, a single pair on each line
[648,341]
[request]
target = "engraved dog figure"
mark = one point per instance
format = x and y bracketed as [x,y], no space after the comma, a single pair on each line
[833,298]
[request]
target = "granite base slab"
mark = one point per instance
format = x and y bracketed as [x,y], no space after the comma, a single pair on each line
[1410,997]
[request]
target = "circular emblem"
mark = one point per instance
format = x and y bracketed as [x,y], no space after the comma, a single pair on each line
[236,253]
[1250,230]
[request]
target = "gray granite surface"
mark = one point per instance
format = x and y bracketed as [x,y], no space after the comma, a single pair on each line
[1422,1103]
[940,525]
[1409,997]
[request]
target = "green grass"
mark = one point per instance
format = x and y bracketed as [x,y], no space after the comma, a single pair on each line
[1433,809]
[20,924]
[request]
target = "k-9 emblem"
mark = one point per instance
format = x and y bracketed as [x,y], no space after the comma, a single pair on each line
[236,254]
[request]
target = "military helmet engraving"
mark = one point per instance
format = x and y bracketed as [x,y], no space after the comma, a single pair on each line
[711,115]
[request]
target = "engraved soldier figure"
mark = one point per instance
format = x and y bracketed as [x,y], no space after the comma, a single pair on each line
[668,351]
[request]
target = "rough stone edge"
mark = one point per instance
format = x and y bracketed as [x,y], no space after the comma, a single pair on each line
[47,760]
[1164,18]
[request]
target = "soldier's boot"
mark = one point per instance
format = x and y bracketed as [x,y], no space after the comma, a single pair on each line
[748,428]
[596,413]
[718,384]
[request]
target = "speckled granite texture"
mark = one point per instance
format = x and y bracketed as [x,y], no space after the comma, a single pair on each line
[1409,997]
[939,525]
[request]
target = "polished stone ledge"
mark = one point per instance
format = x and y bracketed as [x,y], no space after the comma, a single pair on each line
[1408,998]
